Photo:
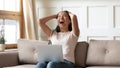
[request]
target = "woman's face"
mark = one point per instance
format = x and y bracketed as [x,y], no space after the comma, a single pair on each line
[63,20]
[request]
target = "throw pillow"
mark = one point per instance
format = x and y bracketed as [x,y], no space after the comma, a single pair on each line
[27,50]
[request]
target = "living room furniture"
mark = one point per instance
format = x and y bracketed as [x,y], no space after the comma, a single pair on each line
[93,54]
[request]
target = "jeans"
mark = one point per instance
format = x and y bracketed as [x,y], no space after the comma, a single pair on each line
[55,64]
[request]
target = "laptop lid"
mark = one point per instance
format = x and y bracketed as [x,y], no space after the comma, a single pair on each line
[50,52]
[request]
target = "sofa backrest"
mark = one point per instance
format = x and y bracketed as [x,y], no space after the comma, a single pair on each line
[27,51]
[80,54]
[103,52]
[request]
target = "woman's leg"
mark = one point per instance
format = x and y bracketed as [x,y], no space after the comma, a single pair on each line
[69,64]
[58,64]
[41,64]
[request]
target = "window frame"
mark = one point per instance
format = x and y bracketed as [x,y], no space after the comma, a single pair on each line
[18,15]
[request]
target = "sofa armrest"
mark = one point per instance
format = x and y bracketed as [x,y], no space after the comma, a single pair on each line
[8,58]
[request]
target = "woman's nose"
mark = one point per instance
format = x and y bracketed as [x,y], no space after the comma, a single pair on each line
[61,17]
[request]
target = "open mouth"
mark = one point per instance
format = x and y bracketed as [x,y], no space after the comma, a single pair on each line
[61,22]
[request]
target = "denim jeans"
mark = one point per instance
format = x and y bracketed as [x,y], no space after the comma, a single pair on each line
[55,64]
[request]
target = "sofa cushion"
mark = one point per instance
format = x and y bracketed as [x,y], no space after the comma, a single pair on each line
[103,52]
[103,67]
[22,66]
[27,50]
[80,54]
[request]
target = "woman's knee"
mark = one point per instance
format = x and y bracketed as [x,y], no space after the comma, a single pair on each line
[41,65]
[59,64]
[54,64]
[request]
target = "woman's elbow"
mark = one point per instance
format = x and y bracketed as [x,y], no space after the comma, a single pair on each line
[78,32]
[40,21]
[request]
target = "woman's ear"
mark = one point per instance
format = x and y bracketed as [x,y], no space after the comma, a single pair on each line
[69,21]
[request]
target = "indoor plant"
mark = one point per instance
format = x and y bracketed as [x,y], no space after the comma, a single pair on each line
[2,39]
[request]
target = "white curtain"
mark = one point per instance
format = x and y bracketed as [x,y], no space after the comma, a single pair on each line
[30,19]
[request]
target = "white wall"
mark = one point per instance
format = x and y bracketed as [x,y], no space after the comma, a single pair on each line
[98,19]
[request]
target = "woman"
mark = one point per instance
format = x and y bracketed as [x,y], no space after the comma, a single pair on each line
[66,34]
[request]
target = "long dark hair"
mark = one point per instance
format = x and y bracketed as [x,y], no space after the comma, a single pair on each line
[57,29]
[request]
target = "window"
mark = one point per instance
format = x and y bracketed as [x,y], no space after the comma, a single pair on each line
[11,17]
[10,5]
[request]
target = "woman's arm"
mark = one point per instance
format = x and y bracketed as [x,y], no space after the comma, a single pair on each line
[74,22]
[45,28]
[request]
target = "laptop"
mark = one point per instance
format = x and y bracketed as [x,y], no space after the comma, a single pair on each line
[49,52]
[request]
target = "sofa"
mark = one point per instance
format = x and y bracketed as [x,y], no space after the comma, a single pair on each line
[92,54]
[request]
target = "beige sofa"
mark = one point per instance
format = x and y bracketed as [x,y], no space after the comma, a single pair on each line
[96,54]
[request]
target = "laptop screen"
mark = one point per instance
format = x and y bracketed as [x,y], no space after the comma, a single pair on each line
[49,52]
